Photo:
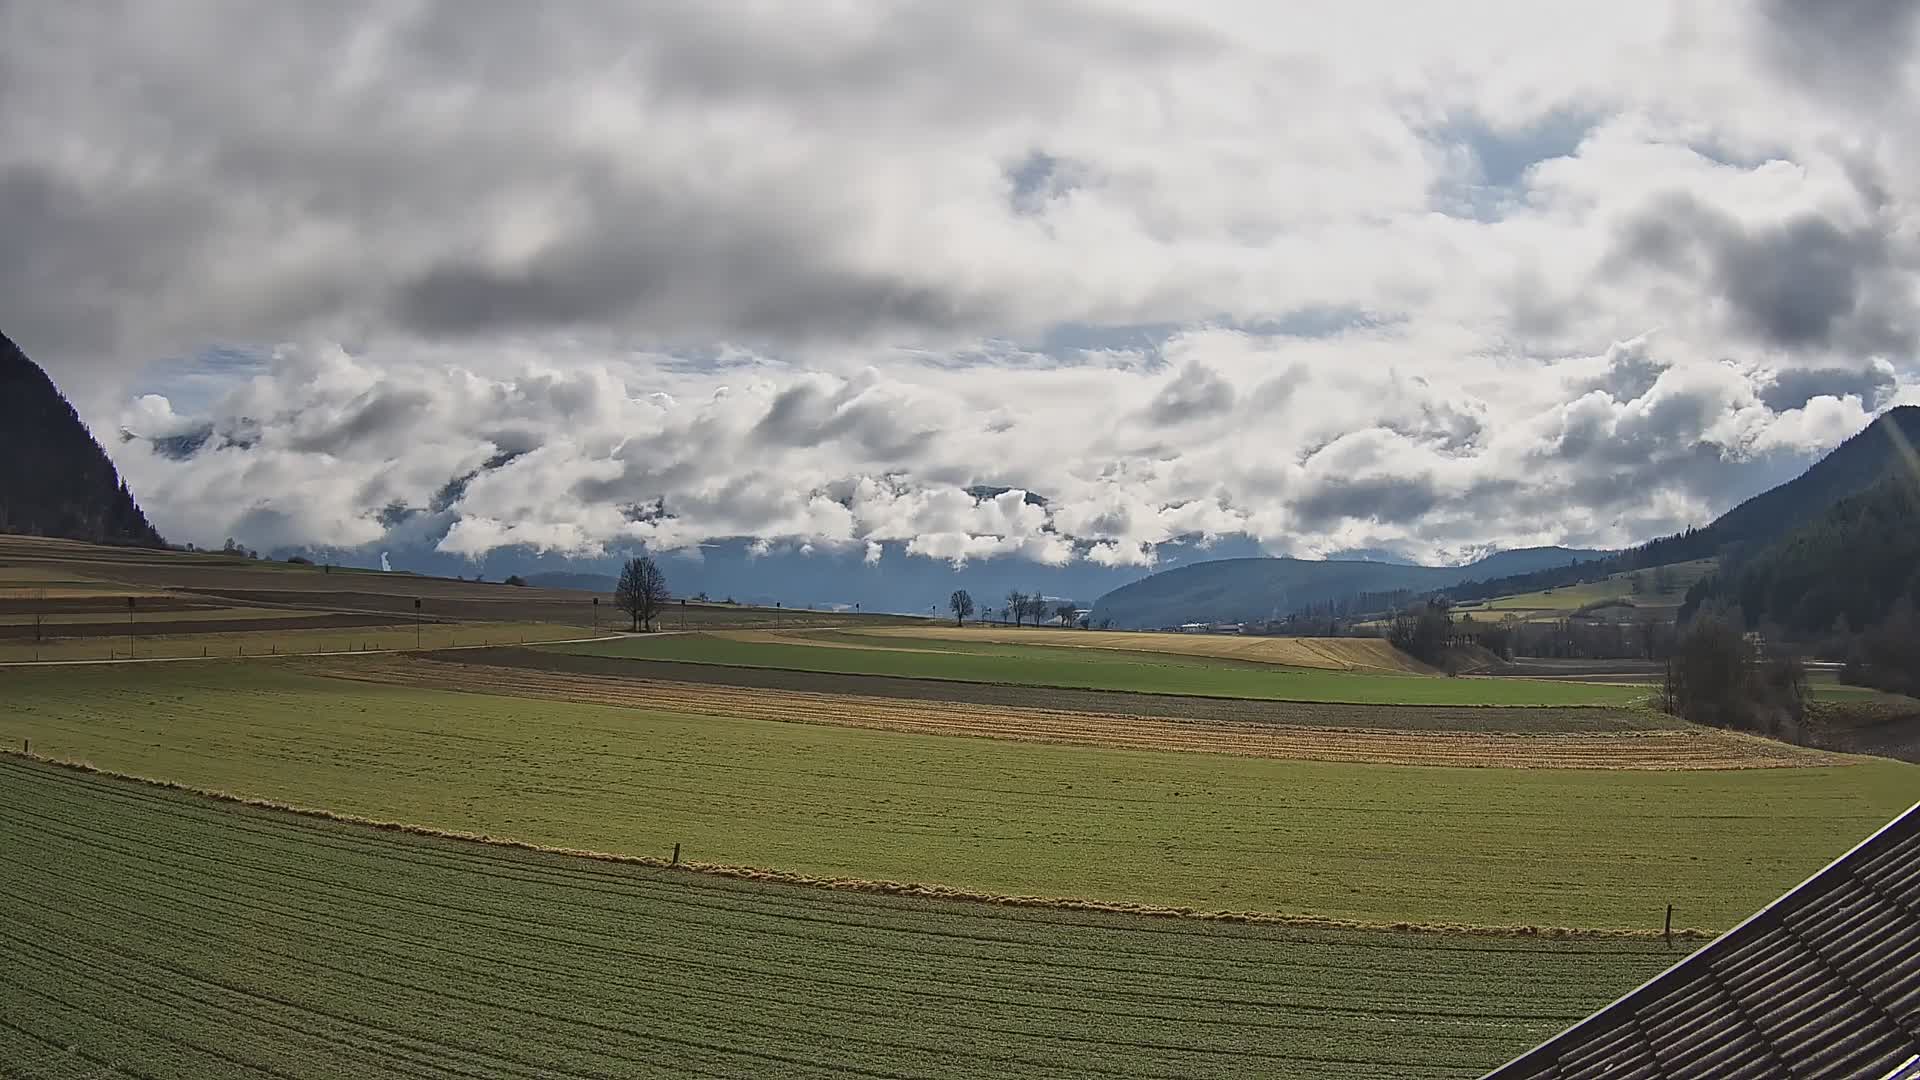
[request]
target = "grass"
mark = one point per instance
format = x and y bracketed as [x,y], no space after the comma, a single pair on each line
[1373,843]
[1338,654]
[110,616]
[284,642]
[1099,669]
[1568,599]
[170,936]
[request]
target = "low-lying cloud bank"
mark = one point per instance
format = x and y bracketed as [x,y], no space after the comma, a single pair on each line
[1312,446]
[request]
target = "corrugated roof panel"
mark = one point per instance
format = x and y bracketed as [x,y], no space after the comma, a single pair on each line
[1822,983]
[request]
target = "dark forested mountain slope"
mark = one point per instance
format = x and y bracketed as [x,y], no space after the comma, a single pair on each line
[1852,467]
[1846,570]
[55,480]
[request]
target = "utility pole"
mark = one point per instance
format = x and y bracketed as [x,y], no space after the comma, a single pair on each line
[596,616]
[416,624]
[683,614]
[129,627]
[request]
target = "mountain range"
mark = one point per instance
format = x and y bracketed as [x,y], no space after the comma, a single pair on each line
[1259,589]
[1240,590]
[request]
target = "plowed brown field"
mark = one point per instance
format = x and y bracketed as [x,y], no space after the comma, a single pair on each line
[1665,749]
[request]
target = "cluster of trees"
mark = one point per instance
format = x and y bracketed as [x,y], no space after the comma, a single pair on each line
[1424,632]
[1037,609]
[1575,639]
[1716,676]
[1886,656]
[1021,608]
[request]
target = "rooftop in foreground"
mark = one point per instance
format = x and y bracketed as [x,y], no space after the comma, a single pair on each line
[1824,982]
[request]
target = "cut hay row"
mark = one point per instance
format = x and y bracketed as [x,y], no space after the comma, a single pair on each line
[173,937]
[1671,749]
[1332,654]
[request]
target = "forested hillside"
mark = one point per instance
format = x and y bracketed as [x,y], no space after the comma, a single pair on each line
[1846,569]
[1852,467]
[55,480]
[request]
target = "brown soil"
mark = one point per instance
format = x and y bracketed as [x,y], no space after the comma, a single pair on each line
[1688,749]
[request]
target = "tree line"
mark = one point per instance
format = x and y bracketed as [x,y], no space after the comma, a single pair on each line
[1020,609]
[1843,587]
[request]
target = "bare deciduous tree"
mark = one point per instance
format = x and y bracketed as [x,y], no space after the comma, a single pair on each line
[961,604]
[642,591]
[1016,606]
[1067,613]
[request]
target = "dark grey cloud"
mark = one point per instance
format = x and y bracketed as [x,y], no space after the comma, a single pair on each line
[386,413]
[1382,498]
[237,174]
[809,414]
[1803,282]
[1793,388]
[1195,393]
[1852,47]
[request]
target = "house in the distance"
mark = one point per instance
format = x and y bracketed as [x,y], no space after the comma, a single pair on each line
[1824,982]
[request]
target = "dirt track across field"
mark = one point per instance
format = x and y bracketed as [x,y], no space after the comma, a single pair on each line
[1654,749]
[1491,718]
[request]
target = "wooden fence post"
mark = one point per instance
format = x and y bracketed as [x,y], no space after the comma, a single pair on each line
[1668,931]
[676,854]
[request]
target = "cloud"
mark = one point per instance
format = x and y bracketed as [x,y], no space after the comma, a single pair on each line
[1853,47]
[1802,282]
[1063,280]
[1193,394]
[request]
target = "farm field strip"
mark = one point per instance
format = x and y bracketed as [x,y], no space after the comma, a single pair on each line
[1377,844]
[1067,667]
[1334,654]
[1536,719]
[268,638]
[1666,749]
[134,939]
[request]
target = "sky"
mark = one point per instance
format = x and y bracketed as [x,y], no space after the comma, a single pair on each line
[1424,280]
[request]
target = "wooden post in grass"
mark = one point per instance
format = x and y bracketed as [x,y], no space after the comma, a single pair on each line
[1668,932]
[416,624]
[676,854]
[129,627]
[26,747]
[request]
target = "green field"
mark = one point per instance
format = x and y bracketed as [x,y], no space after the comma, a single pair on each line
[1162,673]
[1373,843]
[270,641]
[1570,598]
[174,937]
